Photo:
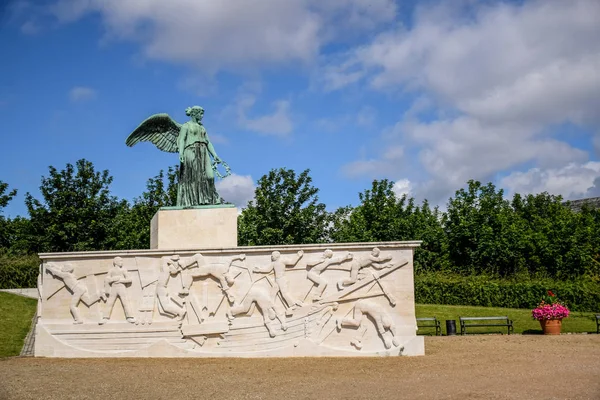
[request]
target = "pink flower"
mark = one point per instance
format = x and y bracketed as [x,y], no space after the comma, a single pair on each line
[550,311]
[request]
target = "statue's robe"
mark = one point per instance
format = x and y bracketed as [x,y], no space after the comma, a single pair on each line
[196,176]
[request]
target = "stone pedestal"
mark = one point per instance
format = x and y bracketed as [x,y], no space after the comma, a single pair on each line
[208,227]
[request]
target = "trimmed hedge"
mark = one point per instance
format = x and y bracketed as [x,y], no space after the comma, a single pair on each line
[18,272]
[580,295]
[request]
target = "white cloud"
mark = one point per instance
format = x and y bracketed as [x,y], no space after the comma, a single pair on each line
[279,123]
[237,189]
[373,168]
[81,93]
[572,181]
[501,77]
[370,168]
[503,51]
[464,148]
[594,190]
[332,124]
[394,153]
[199,85]
[402,187]
[334,77]
[213,35]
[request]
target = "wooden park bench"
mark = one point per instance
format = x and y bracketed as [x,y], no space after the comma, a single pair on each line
[430,322]
[597,323]
[484,322]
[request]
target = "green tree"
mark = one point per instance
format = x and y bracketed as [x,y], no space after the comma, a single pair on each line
[285,210]
[484,234]
[19,236]
[558,242]
[132,225]
[76,212]
[374,219]
[5,197]
[383,216]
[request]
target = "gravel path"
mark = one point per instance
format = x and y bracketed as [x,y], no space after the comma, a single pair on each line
[471,367]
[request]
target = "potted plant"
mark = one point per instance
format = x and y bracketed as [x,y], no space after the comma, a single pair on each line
[550,313]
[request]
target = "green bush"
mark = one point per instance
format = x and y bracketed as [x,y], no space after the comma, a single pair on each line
[579,295]
[18,271]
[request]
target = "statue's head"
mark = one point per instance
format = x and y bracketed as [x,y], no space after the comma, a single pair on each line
[118,262]
[68,268]
[275,256]
[174,261]
[328,253]
[195,112]
[375,252]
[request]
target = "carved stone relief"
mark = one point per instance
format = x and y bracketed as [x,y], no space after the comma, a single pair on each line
[115,286]
[79,291]
[288,300]
[383,322]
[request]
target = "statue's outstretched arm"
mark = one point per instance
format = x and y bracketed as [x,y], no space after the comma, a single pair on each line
[292,261]
[212,151]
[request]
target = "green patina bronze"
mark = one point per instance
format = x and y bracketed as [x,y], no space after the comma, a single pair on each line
[197,171]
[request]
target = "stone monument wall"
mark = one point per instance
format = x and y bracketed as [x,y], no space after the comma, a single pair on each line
[354,299]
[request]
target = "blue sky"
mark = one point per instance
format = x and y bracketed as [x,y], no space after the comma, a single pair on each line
[428,94]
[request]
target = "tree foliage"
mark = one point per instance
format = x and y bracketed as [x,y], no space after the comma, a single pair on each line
[483,232]
[132,225]
[285,210]
[5,197]
[536,235]
[383,216]
[76,212]
[556,241]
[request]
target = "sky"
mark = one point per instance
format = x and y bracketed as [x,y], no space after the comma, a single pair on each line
[428,94]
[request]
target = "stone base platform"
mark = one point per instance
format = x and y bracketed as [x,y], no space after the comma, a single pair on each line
[208,227]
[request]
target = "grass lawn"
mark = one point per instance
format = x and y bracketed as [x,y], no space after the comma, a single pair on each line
[577,322]
[16,313]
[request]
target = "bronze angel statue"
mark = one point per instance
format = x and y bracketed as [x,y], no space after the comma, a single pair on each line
[196,170]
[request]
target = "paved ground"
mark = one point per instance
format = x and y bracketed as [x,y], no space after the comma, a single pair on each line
[472,367]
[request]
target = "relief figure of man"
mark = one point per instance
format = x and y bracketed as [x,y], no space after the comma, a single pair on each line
[115,285]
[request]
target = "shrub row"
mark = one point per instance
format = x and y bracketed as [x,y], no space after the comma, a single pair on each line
[18,271]
[579,295]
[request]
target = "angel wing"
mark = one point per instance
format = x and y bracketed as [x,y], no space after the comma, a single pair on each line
[159,129]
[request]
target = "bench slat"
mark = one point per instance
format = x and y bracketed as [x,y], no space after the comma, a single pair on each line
[465,322]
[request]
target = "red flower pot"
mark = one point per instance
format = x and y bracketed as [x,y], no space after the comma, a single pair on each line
[551,326]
